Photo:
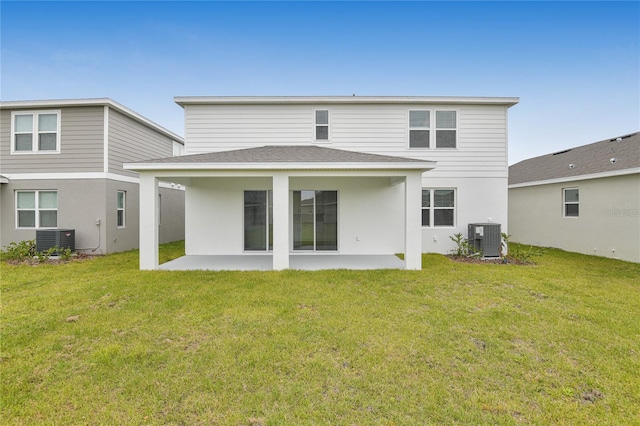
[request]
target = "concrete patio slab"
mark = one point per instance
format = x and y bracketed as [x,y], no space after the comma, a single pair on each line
[264,262]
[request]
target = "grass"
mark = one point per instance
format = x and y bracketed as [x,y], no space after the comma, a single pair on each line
[99,342]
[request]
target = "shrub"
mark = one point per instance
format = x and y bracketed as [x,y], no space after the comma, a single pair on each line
[20,251]
[463,248]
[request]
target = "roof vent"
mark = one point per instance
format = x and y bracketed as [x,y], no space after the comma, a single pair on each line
[618,139]
[572,166]
[613,160]
[561,152]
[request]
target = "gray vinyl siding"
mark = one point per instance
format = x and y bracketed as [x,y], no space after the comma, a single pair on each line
[81,144]
[131,141]
[380,129]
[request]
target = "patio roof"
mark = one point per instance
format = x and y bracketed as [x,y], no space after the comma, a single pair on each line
[283,157]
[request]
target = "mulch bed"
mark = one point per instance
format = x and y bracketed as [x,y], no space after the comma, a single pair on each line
[484,261]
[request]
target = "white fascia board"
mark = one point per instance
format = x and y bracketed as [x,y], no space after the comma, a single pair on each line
[92,102]
[71,176]
[578,178]
[409,100]
[422,166]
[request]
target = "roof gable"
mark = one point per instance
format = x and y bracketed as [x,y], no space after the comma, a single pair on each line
[610,155]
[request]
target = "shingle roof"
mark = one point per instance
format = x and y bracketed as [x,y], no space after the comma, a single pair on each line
[597,157]
[283,154]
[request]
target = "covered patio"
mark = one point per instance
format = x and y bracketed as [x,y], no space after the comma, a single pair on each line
[318,208]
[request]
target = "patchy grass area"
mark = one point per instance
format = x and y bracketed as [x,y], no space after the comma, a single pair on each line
[99,342]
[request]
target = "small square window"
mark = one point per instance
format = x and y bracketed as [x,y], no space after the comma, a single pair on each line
[438,207]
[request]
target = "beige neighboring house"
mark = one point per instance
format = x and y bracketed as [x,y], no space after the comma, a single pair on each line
[61,168]
[584,199]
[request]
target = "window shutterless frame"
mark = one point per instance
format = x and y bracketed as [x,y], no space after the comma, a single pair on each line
[570,202]
[121,204]
[321,125]
[36,209]
[432,129]
[35,132]
[439,207]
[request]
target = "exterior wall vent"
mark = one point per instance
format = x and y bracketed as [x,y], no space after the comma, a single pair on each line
[486,237]
[61,238]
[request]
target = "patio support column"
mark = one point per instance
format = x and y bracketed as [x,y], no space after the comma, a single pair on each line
[412,221]
[148,221]
[280,221]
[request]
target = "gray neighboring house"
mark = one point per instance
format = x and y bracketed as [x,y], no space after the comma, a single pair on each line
[61,168]
[584,199]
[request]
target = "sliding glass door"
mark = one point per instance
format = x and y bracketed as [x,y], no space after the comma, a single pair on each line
[315,220]
[258,221]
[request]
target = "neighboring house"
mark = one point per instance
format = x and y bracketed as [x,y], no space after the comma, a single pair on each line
[61,166]
[346,176]
[584,199]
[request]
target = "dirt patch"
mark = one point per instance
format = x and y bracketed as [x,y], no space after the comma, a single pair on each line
[591,396]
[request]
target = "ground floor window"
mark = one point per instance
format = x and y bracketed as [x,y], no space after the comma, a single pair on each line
[315,220]
[120,208]
[571,202]
[258,221]
[438,207]
[36,209]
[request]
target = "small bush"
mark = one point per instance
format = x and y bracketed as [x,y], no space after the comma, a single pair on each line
[25,251]
[64,253]
[463,248]
[20,251]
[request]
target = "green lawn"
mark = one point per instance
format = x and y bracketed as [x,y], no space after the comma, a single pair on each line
[99,342]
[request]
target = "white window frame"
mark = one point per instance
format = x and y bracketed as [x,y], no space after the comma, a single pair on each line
[315,126]
[35,131]
[433,129]
[432,208]
[418,128]
[36,209]
[565,202]
[123,209]
[436,128]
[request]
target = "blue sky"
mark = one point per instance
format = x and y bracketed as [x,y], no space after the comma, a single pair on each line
[574,65]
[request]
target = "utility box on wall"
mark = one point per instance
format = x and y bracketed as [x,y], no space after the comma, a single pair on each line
[485,237]
[61,238]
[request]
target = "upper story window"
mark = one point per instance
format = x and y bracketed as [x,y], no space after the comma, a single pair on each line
[35,132]
[446,127]
[571,202]
[420,134]
[419,124]
[322,124]
[36,209]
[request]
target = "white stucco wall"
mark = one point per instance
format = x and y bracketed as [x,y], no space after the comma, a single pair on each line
[371,213]
[478,200]
[608,225]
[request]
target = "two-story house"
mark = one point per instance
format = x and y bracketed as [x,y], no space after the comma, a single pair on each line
[340,180]
[61,168]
